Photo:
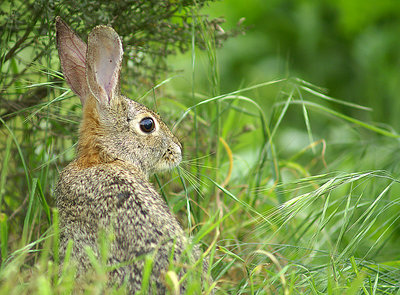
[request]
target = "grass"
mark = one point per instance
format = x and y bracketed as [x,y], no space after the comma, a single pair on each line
[278,207]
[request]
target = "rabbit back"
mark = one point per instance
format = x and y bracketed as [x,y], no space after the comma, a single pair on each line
[115,197]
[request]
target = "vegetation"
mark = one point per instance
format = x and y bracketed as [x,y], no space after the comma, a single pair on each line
[290,190]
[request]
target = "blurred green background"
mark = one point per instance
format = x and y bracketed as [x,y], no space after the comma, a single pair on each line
[351,48]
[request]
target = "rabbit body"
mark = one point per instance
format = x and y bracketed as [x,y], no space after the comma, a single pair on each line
[115,195]
[106,187]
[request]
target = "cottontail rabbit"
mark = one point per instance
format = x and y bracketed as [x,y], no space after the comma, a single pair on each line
[121,143]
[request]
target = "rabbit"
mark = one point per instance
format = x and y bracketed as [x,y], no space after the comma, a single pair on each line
[121,142]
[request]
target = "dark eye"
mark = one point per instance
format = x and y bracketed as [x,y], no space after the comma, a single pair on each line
[147,125]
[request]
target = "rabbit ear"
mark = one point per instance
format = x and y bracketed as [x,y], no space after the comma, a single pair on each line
[104,59]
[72,53]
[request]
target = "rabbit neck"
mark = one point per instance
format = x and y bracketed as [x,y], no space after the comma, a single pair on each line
[90,152]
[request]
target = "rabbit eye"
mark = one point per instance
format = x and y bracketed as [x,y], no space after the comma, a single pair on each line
[147,125]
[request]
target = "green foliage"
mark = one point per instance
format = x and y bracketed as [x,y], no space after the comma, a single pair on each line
[289,190]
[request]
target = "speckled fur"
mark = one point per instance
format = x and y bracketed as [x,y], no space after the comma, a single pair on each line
[116,195]
[106,187]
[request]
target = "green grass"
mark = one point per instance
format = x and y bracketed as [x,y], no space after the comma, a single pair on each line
[278,206]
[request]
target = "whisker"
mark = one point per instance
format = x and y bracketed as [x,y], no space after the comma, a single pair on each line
[193,177]
[194,181]
[198,165]
[199,158]
[190,178]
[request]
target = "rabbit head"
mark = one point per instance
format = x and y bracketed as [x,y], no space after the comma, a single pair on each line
[113,126]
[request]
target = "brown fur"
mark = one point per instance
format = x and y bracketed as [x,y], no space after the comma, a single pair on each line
[90,150]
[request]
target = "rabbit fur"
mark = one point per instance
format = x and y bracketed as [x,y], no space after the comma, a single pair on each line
[106,187]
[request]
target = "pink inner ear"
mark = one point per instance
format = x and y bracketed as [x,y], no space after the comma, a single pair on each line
[104,58]
[108,69]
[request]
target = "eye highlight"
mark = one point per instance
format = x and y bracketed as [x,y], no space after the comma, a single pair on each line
[147,125]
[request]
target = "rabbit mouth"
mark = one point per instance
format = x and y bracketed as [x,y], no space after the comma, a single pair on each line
[166,165]
[170,159]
